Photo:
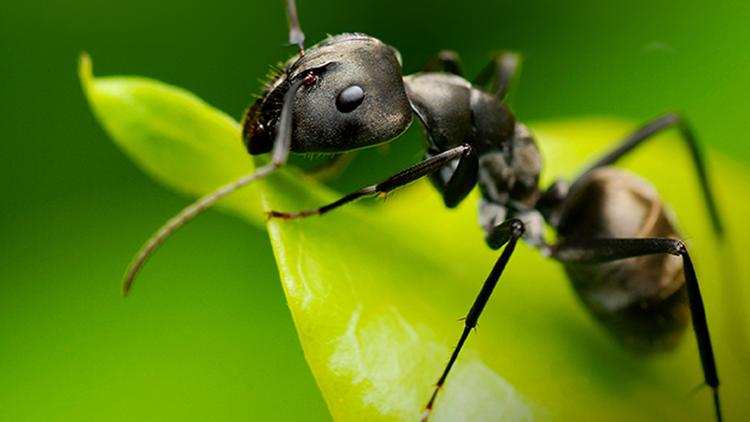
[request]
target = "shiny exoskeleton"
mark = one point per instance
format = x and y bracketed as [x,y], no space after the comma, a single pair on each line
[615,238]
[616,241]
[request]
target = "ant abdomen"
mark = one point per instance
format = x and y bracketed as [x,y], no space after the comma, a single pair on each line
[642,300]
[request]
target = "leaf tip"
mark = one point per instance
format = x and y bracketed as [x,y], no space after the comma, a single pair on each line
[85,70]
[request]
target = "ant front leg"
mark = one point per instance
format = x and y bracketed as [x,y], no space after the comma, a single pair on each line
[502,71]
[646,132]
[401,178]
[507,234]
[601,250]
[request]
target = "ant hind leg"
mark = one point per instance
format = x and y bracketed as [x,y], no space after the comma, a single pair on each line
[646,132]
[600,250]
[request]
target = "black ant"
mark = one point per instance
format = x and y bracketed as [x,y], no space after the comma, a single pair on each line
[615,237]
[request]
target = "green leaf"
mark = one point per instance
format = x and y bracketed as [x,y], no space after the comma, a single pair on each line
[173,136]
[376,289]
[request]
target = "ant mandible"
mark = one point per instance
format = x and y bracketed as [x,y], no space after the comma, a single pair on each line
[615,237]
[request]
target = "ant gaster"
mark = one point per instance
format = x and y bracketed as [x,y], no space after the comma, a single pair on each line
[615,237]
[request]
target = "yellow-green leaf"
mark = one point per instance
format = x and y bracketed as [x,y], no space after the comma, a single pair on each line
[376,289]
[173,136]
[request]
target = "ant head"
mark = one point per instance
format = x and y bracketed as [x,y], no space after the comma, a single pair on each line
[350,95]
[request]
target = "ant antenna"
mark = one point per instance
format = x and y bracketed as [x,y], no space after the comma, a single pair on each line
[179,220]
[281,148]
[296,36]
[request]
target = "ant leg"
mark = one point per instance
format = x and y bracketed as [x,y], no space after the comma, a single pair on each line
[445,61]
[502,70]
[455,182]
[647,131]
[279,155]
[399,179]
[595,251]
[506,233]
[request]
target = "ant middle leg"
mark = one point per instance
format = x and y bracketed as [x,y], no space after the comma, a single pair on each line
[506,233]
[646,132]
[401,178]
[589,252]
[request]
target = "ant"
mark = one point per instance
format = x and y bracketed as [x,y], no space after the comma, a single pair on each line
[615,236]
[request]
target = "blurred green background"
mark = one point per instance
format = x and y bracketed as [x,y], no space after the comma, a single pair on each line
[206,334]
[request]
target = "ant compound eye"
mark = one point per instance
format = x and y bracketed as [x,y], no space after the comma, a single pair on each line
[350,98]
